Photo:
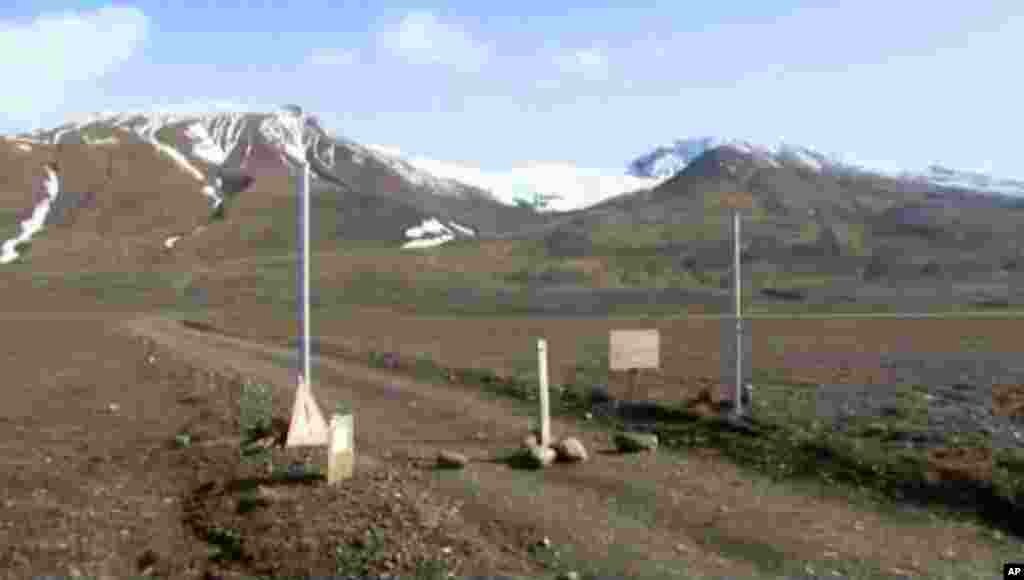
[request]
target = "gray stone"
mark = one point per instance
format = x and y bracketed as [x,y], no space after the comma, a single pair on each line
[629,442]
[538,457]
[452,460]
[571,450]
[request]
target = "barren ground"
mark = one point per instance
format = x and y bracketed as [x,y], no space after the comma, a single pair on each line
[98,490]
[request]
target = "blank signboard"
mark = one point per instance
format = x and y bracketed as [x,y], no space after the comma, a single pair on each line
[633,349]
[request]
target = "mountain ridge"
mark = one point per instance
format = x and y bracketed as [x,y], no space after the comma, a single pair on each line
[664,161]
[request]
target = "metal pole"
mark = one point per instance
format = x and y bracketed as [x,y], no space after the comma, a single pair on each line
[738,291]
[307,370]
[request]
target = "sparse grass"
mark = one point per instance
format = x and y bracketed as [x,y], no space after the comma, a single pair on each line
[254,420]
[226,544]
[794,447]
[140,290]
[809,233]
[611,239]
[855,239]
[794,454]
[431,569]
[183,440]
[616,561]
[249,501]
[357,558]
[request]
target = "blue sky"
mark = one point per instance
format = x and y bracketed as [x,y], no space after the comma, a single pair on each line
[899,84]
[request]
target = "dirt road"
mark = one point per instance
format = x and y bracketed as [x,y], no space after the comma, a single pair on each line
[657,515]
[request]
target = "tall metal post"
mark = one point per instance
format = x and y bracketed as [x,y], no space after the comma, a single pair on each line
[304,194]
[738,291]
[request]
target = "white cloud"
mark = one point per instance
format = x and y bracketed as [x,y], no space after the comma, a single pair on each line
[49,54]
[591,64]
[332,57]
[576,187]
[420,38]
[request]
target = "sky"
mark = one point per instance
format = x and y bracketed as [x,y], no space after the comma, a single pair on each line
[565,86]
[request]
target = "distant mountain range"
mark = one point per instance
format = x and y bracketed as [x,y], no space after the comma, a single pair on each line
[385,198]
[665,161]
[159,185]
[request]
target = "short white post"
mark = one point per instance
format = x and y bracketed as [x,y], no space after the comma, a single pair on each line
[545,410]
[341,456]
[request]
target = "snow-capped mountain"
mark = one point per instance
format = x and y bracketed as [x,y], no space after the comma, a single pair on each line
[168,166]
[938,175]
[668,160]
[572,187]
[202,142]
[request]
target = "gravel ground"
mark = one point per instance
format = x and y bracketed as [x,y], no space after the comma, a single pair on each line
[957,393]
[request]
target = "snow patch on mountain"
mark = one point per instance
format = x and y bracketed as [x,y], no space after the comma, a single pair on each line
[35,222]
[206,137]
[203,146]
[148,131]
[432,233]
[939,175]
[431,226]
[429,242]
[462,229]
[392,158]
[575,187]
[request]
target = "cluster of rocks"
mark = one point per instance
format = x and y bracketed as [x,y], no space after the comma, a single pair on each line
[567,450]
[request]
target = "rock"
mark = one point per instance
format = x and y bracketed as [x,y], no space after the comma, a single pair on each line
[531,440]
[792,294]
[570,575]
[599,394]
[390,360]
[113,407]
[570,449]
[265,442]
[147,560]
[451,460]
[633,442]
[588,416]
[537,456]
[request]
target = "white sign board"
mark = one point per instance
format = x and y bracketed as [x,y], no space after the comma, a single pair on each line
[633,349]
[737,200]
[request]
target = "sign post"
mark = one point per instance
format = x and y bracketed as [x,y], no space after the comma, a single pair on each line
[308,426]
[320,433]
[631,350]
